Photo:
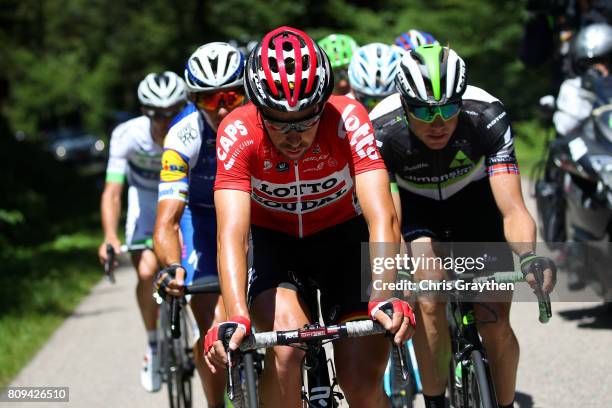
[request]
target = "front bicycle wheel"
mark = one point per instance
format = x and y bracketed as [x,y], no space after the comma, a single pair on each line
[480,383]
[178,383]
[455,383]
[244,377]
[402,391]
[186,361]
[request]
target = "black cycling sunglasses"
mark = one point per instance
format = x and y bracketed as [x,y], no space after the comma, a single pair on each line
[299,126]
[156,114]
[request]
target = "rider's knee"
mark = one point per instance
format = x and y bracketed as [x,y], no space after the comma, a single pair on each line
[287,360]
[146,273]
[499,331]
[360,378]
[360,383]
[431,309]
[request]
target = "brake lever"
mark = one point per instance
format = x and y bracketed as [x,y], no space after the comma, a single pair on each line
[543,297]
[109,264]
[398,348]
[230,379]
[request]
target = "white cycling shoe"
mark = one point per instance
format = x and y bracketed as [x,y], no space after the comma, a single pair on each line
[150,377]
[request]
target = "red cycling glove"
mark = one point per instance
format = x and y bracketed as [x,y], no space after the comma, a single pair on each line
[217,332]
[397,305]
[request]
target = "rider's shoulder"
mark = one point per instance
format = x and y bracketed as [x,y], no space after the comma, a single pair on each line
[185,130]
[484,110]
[476,100]
[187,118]
[343,106]
[137,125]
[388,119]
[388,105]
[243,121]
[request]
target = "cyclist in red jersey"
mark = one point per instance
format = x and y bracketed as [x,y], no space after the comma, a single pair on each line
[301,169]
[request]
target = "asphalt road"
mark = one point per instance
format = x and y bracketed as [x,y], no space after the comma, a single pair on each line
[98,350]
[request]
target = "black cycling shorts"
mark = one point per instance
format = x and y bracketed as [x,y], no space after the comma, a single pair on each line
[469,216]
[331,258]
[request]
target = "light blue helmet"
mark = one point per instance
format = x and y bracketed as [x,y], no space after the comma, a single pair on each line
[373,69]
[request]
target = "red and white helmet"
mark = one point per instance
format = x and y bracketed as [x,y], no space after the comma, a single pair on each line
[288,72]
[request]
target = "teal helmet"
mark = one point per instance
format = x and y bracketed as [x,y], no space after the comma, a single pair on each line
[339,48]
[431,75]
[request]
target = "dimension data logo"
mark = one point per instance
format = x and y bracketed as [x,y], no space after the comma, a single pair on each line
[460,160]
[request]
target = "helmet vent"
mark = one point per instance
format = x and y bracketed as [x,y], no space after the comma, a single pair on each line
[290,66]
[214,63]
[272,64]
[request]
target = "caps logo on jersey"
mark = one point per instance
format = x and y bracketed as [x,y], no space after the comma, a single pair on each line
[267,165]
[228,136]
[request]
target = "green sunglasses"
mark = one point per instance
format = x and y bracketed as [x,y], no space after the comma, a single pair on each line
[428,113]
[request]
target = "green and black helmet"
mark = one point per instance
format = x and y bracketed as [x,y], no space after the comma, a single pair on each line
[339,48]
[431,75]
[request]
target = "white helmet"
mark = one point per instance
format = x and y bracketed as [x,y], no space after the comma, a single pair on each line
[592,42]
[161,90]
[435,67]
[373,69]
[214,66]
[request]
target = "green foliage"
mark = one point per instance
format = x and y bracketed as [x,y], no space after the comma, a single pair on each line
[67,56]
[530,142]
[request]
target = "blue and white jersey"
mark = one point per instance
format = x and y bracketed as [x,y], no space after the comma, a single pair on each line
[189,161]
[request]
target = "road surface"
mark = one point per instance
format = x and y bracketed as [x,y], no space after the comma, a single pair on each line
[98,350]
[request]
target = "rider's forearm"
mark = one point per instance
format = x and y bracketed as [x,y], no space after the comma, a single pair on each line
[232,265]
[166,243]
[384,244]
[520,231]
[110,208]
[166,240]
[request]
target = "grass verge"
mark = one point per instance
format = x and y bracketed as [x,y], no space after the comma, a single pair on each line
[39,287]
[530,142]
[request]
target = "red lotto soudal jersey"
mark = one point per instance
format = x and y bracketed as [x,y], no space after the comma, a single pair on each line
[298,197]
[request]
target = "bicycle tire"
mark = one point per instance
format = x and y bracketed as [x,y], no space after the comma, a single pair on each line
[480,382]
[186,371]
[172,371]
[456,394]
[402,391]
[245,384]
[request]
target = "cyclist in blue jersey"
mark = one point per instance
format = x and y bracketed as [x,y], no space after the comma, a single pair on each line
[214,76]
[135,153]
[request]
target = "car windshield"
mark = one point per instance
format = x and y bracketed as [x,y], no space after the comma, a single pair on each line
[64,134]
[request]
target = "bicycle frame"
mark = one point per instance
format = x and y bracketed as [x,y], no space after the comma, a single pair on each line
[464,340]
[178,365]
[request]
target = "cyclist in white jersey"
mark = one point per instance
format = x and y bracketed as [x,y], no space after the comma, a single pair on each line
[135,154]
